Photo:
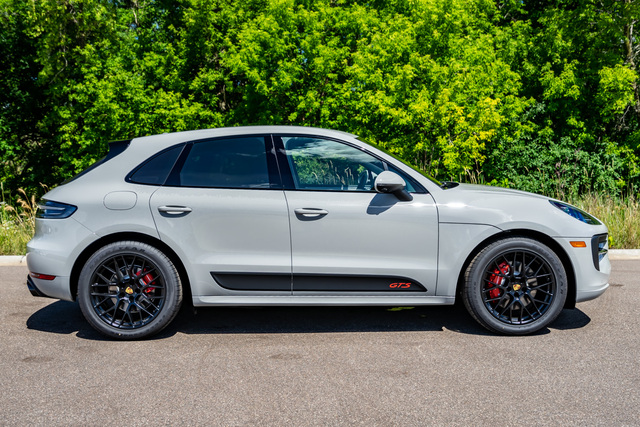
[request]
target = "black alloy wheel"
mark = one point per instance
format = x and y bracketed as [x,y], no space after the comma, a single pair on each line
[519,287]
[515,286]
[129,290]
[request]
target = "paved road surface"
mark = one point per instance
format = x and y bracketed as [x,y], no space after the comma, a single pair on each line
[322,366]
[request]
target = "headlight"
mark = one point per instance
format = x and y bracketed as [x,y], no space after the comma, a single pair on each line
[54,210]
[575,212]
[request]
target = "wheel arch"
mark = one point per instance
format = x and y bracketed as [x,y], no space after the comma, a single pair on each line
[140,237]
[531,234]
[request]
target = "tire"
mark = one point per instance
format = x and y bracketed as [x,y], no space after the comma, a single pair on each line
[506,298]
[129,290]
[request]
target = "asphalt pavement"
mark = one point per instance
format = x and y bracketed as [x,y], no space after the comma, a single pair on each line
[321,366]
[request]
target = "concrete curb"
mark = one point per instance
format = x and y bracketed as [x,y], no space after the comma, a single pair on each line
[6,260]
[624,254]
[614,254]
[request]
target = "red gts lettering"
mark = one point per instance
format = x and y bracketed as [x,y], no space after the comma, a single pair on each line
[400,285]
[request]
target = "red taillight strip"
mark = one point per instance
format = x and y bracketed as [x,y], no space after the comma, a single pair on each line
[42,276]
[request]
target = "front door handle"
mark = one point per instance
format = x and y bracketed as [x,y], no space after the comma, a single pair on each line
[174,210]
[310,212]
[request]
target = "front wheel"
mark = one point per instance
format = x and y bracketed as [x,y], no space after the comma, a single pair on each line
[129,290]
[515,286]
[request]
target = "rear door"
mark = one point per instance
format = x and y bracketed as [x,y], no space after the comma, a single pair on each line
[346,238]
[223,207]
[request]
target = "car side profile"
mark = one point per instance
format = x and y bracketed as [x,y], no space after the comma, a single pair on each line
[279,215]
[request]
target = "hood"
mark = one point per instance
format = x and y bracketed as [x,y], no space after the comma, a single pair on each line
[507,209]
[494,191]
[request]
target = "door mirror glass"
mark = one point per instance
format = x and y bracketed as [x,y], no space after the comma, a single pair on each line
[391,182]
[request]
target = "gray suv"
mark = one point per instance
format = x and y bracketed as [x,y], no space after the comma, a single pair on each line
[276,215]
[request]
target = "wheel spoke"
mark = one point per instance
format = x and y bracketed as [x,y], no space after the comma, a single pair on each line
[508,307]
[533,302]
[101,294]
[118,272]
[98,304]
[144,309]
[107,281]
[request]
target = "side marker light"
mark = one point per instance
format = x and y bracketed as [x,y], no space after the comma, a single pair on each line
[578,244]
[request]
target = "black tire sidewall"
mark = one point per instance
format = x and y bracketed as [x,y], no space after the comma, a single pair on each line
[473,287]
[173,291]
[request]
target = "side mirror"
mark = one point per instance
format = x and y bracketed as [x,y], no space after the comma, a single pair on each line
[390,182]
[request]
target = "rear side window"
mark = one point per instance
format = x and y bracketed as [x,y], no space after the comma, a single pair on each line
[155,170]
[227,163]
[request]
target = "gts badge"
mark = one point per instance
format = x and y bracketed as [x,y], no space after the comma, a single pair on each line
[401,285]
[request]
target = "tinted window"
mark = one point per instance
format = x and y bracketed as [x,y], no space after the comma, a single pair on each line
[156,169]
[319,164]
[407,181]
[227,163]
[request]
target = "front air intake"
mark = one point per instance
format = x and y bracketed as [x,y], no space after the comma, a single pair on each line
[599,248]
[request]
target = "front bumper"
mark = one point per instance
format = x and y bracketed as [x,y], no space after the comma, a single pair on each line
[592,278]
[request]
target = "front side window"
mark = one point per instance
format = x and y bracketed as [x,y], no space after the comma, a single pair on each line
[226,163]
[320,164]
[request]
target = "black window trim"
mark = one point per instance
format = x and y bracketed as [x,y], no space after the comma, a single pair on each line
[287,174]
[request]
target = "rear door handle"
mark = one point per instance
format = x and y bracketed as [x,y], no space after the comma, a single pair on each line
[174,210]
[310,212]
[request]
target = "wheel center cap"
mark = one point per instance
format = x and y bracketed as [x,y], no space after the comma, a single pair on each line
[129,290]
[517,287]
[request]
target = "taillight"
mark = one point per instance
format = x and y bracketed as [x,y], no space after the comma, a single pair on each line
[48,209]
[42,276]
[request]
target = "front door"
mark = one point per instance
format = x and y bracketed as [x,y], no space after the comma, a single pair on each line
[346,239]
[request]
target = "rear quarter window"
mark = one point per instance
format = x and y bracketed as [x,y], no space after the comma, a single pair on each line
[156,169]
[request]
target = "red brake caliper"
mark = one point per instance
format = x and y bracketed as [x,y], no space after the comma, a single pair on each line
[146,279]
[496,280]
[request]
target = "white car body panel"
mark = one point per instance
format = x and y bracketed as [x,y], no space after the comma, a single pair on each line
[256,231]
[244,231]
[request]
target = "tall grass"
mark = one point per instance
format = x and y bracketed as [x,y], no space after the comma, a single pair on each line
[621,216]
[17,223]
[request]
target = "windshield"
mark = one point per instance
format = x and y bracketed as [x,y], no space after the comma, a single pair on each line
[421,172]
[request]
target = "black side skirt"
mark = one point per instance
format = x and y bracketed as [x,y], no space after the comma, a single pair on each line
[315,282]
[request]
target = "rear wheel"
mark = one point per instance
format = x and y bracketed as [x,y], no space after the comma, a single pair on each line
[515,286]
[129,290]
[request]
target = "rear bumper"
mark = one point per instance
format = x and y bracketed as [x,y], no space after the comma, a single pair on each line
[52,251]
[56,288]
[33,288]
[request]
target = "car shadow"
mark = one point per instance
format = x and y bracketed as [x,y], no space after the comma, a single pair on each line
[64,317]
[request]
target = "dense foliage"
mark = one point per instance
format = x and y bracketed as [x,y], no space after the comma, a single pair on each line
[538,95]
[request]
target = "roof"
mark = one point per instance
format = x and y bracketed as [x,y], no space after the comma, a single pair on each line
[177,137]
